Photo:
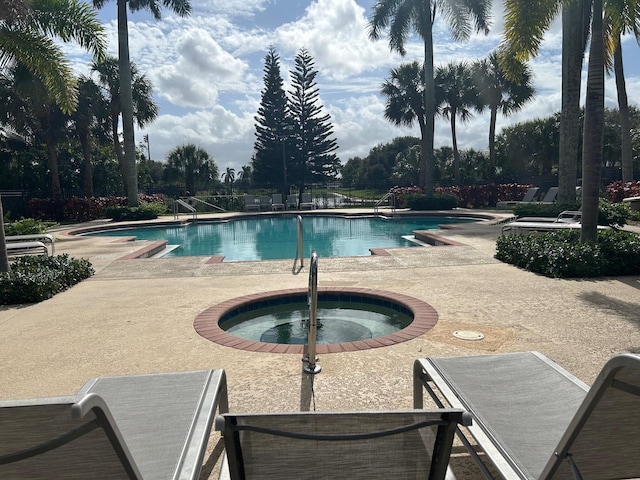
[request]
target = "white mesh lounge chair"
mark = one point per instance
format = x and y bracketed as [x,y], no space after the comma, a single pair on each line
[528,198]
[251,202]
[265,202]
[387,445]
[137,427]
[550,196]
[306,201]
[292,201]
[534,420]
[45,238]
[26,248]
[276,202]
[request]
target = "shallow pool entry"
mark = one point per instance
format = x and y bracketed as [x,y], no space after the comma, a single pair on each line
[349,319]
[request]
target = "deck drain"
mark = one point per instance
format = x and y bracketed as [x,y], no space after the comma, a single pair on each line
[468,335]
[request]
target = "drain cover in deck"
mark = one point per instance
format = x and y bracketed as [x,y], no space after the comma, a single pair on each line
[468,335]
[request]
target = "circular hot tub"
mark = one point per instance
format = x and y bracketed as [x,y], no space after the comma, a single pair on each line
[347,320]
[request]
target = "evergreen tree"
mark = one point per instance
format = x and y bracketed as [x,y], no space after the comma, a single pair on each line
[272,145]
[313,159]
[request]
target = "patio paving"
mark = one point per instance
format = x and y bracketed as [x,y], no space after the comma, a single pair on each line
[136,316]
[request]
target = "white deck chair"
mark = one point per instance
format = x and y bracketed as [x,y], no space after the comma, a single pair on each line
[534,420]
[387,445]
[135,427]
[528,198]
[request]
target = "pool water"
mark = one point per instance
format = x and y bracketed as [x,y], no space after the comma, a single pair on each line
[274,237]
[337,322]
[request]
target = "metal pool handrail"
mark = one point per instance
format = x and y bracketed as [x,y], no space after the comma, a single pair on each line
[299,244]
[310,357]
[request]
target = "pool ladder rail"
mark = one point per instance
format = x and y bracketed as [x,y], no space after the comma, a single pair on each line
[390,199]
[310,357]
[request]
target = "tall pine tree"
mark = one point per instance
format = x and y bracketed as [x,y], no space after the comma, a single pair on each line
[313,159]
[273,133]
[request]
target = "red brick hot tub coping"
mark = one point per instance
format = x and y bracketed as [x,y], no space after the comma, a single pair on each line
[425,318]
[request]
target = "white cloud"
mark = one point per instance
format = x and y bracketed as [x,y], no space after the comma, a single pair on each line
[207,72]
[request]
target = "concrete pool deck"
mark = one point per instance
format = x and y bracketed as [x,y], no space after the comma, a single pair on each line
[136,316]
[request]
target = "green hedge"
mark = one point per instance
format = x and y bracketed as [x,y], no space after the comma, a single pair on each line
[26,226]
[146,211]
[33,279]
[560,254]
[416,201]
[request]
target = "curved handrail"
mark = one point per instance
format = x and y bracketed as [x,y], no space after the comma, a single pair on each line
[310,356]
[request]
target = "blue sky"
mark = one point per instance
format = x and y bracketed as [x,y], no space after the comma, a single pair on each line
[207,72]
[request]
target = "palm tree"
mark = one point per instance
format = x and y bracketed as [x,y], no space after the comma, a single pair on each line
[623,16]
[576,16]
[189,163]
[245,175]
[456,95]
[25,37]
[27,32]
[180,7]
[623,111]
[87,118]
[402,16]
[404,91]
[499,93]
[229,176]
[524,32]
[144,108]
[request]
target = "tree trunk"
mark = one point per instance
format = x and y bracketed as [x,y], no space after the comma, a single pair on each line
[593,140]
[456,153]
[429,110]
[573,44]
[491,174]
[117,147]
[126,105]
[87,170]
[52,155]
[623,110]
[4,257]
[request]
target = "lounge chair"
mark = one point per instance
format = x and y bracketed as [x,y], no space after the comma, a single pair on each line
[405,445]
[45,238]
[523,227]
[26,248]
[534,420]
[306,201]
[251,202]
[528,198]
[276,202]
[292,201]
[137,427]
[265,202]
[550,196]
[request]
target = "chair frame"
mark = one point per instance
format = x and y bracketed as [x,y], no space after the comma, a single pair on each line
[107,403]
[427,377]
[448,419]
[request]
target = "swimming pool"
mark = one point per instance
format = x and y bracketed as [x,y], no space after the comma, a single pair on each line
[273,237]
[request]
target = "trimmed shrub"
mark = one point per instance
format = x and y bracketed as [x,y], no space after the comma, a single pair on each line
[417,201]
[33,279]
[146,211]
[27,226]
[618,190]
[543,209]
[560,254]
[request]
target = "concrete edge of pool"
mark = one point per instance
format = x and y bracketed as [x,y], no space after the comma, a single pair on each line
[425,318]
